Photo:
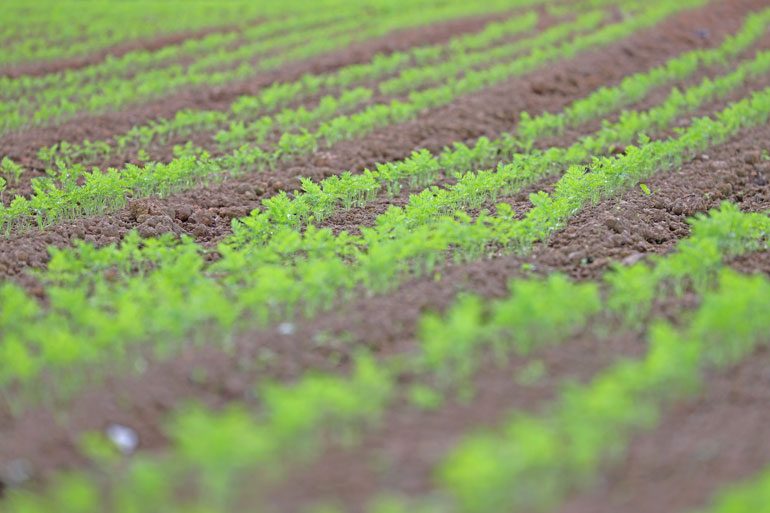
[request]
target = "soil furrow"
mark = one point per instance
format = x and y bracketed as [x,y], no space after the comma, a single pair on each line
[617,231]
[206,211]
[622,229]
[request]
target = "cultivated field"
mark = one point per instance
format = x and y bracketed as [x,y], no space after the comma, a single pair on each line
[385,256]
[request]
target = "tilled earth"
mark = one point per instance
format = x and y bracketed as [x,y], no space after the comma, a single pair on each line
[699,445]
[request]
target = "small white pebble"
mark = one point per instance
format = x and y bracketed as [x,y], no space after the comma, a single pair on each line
[286,328]
[124,438]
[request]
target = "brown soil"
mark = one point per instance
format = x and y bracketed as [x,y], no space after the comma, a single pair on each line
[732,172]
[700,444]
[584,249]
[206,211]
[754,263]
[386,324]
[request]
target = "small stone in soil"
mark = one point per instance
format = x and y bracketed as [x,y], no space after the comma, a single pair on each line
[286,328]
[124,438]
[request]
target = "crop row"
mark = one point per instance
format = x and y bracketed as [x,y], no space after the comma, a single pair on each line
[213,69]
[106,191]
[533,461]
[411,81]
[234,129]
[171,287]
[213,47]
[94,26]
[473,190]
[131,63]
[475,476]
[228,64]
[280,95]
[57,30]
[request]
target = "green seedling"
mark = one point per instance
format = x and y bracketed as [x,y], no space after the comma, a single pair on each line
[10,170]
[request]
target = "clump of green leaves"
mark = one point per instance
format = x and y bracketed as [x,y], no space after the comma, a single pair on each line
[10,170]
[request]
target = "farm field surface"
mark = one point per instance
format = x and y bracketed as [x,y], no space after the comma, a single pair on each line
[385,256]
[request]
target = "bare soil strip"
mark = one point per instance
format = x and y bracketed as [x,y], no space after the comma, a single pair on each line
[205,212]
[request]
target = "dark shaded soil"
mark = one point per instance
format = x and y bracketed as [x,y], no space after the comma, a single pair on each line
[386,324]
[206,211]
